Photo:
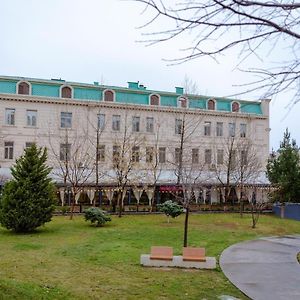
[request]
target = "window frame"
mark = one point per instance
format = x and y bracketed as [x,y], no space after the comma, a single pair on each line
[211,101]
[116,123]
[10,118]
[8,150]
[195,156]
[182,99]
[162,155]
[219,129]
[233,103]
[64,151]
[150,124]
[18,87]
[150,99]
[66,120]
[231,129]
[69,87]
[220,156]
[136,124]
[207,128]
[149,154]
[135,154]
[101,121]
[208,156]
[178,127]
[30,118]
[113,95]
[243,130]
[101,153]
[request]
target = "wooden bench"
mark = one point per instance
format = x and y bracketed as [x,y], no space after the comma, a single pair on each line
[161,253]
[193,254]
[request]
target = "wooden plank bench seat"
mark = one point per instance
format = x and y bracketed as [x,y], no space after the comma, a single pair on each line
[193,254]
[161,253]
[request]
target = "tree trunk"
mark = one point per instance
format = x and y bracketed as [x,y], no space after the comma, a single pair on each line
[241,207]
[119,203]
[186,223]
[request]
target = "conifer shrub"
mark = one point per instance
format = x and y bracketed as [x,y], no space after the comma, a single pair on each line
[97,216]
[27,201]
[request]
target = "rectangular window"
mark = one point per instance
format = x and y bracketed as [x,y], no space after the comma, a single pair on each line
[116,122]
[136,154]
[8,150]
[149,154]
[10,116]
[195,156]
[101,122]
[177,155]
[207,128]
[243,130]
[220,156]
[207,156]
[243,157]
[162,155]
[178,126]
[29,144]
[219,129]
[31,117]
[150,124]
[101,153]
[116,154]
[65,152]
[231,129]
[65,120]
[135,124]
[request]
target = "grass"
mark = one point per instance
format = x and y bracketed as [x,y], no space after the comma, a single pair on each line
[73,260]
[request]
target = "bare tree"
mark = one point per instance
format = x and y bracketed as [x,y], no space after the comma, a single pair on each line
[153,167]
[125,157]
[95,139]
[236,164]
[255,28]
[186,162]
[72,160]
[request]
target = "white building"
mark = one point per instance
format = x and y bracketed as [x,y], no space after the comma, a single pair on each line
[67,117]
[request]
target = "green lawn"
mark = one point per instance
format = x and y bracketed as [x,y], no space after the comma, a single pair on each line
[73,260]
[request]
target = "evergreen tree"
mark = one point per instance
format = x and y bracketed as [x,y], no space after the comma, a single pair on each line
[284,171]
[27,200]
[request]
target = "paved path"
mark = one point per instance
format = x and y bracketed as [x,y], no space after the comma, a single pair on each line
[264,269]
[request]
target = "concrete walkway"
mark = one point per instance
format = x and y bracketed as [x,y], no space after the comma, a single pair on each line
[264,269]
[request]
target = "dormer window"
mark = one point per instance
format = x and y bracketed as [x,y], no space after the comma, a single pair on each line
[154,100]
[66,92]
[182,102]
[211,104]
[235,107]
[23,88]
[109,96]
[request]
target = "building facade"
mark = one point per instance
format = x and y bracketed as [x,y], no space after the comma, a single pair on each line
[102,137]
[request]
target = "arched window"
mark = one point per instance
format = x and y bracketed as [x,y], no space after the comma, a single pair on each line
[23,88]
[211,105]
[182,102]
[109,96]
[154,100]
[66,92]
[235,107]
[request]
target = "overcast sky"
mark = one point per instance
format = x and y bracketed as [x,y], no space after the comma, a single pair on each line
[97,40]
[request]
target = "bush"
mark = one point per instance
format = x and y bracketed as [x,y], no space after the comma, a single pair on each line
[97,216]
[28,199]
[170,209]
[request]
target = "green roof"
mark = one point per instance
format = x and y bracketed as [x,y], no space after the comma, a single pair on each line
[135,93]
